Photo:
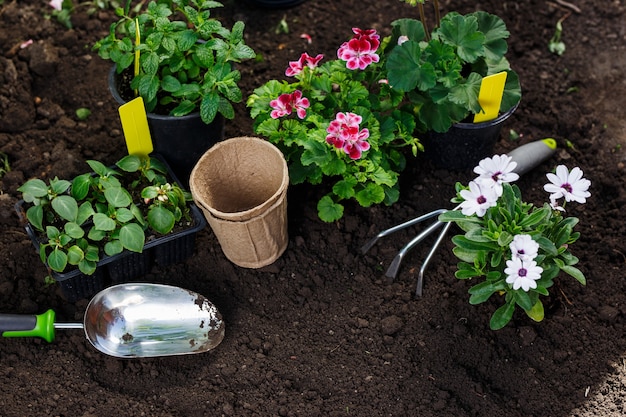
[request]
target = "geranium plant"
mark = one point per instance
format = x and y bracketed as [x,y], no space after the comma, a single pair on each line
[515,249]
[182,58]
[349,118]
[103,212]
[441,71]
[339,119]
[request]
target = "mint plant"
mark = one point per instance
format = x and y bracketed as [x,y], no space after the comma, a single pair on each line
[185,57]
[103,212]
[512,249]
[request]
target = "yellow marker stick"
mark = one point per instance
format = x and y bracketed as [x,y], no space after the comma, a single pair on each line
[137,53]
[135,126]
[490,97]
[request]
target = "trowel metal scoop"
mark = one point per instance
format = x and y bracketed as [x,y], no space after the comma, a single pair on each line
[134,321]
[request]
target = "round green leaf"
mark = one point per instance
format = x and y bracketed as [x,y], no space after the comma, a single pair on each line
[103,222]
[161,219]
[118,197]
[57,260]
[66,207]
[132,237]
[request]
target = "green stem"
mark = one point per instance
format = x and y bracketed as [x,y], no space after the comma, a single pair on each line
[437,14]
[420,7]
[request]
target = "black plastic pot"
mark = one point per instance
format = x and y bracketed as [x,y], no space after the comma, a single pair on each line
[126,266]
[465,144]
[180,140]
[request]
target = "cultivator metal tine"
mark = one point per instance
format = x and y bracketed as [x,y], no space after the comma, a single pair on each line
[392,271]
[400,226]
[394,267]
[433,249]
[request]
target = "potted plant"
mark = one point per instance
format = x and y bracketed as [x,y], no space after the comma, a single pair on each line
[515,250]
[441,72]
[180,60]
[348,119]
[339,120]
[111,224]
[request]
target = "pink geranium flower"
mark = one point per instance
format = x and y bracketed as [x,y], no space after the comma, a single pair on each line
[296,67]
[344,133]
[287,103]
[360,51]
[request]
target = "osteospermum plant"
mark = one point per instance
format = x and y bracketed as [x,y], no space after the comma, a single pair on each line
[511,248]
[339,119]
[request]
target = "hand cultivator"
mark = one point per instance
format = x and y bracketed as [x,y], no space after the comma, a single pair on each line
[527,157]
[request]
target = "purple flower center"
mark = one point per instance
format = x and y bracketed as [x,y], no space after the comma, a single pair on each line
[481,200]
[522,272]
[567,187]
[496,176]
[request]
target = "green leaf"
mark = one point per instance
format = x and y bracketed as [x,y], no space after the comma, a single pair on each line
[34,214]
[382,177]
[170,84]
[209,106]
[35,188]
[316,153]
[161,219]
[74,230]
[465,255]
[80,186]
[345,188]
[130,163]
[464,243]
[99,168]
[124,215]
[466,94]
[118,197]
[87,267]
[75,255]
[523,299]
[150,63]
[575,272]
[371,194]
[96,235]
[132,237]
[411,28]
[502,316]
[406,71]
[103,222]
[57,260]
[66,207]
[481,292]
[462,33]
[328,210]
[494,29]
[534,218]
[113,247]
[536,312]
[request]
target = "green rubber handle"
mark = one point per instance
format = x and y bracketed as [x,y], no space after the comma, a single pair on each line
[532,154]
[23,325]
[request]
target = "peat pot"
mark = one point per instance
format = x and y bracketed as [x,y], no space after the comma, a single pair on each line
[240,185]
[465,144]
[181,140]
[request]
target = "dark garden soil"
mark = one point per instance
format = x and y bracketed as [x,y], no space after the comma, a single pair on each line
[321,332]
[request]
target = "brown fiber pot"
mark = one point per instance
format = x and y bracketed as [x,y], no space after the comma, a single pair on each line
[241,186]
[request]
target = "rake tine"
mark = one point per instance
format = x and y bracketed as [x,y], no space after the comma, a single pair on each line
[420,277]
[400,226]
[392,271]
